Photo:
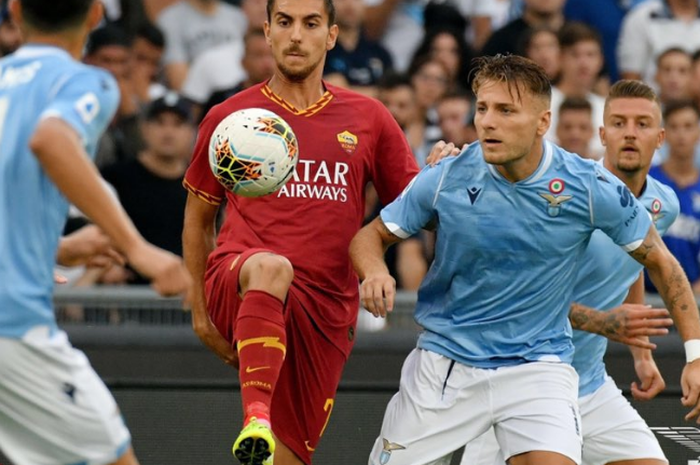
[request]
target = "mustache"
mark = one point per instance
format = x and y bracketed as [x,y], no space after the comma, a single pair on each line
[293,49]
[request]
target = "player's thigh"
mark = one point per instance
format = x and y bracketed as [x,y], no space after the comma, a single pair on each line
[614,432]
[441,405]
[223,290]
[536,409]
[483,450]
[304,397]
[54,409]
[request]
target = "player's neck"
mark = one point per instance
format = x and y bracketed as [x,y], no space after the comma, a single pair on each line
[70,43]
[523,167]
[300,94]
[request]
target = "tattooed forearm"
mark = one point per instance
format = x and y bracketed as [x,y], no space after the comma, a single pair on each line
[641,254]
[578,315]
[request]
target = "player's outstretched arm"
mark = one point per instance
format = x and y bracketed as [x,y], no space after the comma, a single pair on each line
[58,149]
[630,324]
[378,288]
[87,246]
[672,283]
[198,241]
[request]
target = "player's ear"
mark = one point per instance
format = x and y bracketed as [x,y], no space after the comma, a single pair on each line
[95,15]
[661,138]
[266,28]
[332,37]
[601,134]
[545,122]
[15,8]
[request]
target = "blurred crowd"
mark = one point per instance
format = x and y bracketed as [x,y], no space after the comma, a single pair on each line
[175,59]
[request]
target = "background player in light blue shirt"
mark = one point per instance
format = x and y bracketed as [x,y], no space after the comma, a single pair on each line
[53,407]
[612,430]
[514,215]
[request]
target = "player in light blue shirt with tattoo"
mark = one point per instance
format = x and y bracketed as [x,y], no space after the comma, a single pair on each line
[514,216]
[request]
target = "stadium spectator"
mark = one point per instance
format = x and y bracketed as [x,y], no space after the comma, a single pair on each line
[605,16]
[109,48]
[431,79]
[454,111]
[695,78]
[256,12]
[257,63]
[680,172]
[149,187]
[581,63]
[574,129]
[449,47]
[192,27]
[147,51]
[10,35]
[397,94]
[398,25]
[536,13]
[673,75]
[356,60]
[652,27]
[479,15]
[541,45]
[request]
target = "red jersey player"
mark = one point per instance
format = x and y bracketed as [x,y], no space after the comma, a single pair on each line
[279,283]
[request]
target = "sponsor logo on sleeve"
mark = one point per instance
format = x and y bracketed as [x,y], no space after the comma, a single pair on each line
[87,107]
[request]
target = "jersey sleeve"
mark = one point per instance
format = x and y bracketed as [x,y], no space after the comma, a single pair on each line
[87,102]
[199,179]
[415,207]
[616,211]
[394,164]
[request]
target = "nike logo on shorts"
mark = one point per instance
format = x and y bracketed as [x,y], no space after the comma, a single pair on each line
[252,370]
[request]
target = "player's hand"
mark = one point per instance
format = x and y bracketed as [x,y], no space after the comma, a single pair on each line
[650,383]
[87,246]
[59,279]
[630,323]
[690,383]
[442,150]
[210,336]
[377,294]
[166,270]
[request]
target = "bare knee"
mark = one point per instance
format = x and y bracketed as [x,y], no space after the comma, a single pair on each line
[267,272]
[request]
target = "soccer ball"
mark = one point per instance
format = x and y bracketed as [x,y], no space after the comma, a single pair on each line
[253,152]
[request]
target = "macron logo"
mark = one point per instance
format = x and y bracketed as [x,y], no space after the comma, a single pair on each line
[473,193]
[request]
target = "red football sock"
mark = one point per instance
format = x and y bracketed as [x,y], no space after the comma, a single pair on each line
[262,345]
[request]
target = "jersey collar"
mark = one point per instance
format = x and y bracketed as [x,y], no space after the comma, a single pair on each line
[310,111]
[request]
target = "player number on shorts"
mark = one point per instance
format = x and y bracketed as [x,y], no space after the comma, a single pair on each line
[329,409]
[4,105]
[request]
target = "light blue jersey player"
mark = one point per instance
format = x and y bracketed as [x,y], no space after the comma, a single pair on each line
[612,430]
[54,409]
[514,216]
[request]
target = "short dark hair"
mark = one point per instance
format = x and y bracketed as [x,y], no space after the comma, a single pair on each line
[671,51]
[330,9]
[106,36]
[526,38]
[629,88]
[513,70]
[55,15]
[677,105]
[392,80]
[575,104]
[574,32]
[151,34]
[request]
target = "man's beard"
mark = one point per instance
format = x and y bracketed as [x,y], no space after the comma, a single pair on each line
[297,75]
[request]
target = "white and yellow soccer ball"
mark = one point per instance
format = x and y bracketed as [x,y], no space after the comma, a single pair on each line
[253,152]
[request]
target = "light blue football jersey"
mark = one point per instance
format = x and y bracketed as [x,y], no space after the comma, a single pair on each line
[604,276]
[39,82]
[499,290]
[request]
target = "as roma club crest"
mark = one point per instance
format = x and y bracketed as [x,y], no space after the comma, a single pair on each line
[348,141]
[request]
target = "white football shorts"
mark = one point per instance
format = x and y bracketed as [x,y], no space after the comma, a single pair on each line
[54,409]
[613,431]
[442,405]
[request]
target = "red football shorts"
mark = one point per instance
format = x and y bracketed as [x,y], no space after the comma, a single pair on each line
[305,393]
